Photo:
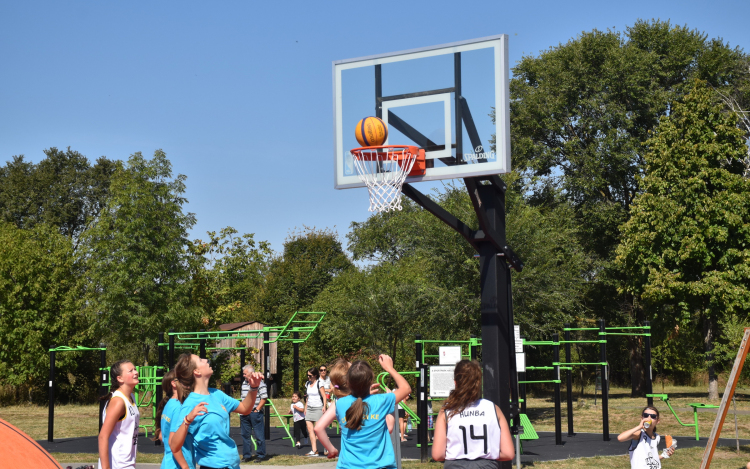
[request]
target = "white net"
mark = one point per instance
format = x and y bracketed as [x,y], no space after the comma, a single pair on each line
[384,171]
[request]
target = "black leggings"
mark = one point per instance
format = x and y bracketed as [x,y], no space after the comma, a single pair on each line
[300,429]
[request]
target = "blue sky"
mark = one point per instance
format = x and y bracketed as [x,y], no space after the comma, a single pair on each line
[238,93]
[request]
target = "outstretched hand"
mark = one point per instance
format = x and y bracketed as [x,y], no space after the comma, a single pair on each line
[255,379]
[386,363]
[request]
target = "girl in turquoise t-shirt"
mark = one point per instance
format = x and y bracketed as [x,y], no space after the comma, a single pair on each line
[203,422]
[167,415]
[365,443]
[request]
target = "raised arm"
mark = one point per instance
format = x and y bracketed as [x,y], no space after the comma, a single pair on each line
[404,389]
[632,434]
[247,404]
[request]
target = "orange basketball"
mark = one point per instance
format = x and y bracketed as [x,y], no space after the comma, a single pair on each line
[371,132]
[20,450]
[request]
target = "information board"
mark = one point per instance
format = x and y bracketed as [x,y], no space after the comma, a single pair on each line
[449,355]
[441,381]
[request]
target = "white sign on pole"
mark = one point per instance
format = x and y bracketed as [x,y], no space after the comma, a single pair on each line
[441,381]
[517,336]
[449,355]
[520,363]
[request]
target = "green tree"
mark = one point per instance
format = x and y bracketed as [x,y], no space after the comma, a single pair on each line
[39,307]
[136,255]
[62,190]
[687,242]
[581,113]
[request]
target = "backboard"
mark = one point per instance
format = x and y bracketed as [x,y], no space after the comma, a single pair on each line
[452,100]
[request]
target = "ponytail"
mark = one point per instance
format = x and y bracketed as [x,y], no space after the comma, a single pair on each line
[184,375]
[168,391]
[359,378]
[114,372]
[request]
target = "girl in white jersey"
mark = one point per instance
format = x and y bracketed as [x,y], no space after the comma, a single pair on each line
[470,432]
[119,434]
[644,440]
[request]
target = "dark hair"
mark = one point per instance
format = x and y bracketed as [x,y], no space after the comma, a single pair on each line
[115,371]
[314,371]
[655,410]
[359,378]
[183,371]
[166,389]
[468,376]
[298,394]
[337,374]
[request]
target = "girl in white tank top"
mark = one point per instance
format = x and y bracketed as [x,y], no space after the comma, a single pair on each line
[470,432]
[118,437]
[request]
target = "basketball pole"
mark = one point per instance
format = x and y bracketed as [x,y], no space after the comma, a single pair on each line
[487,193]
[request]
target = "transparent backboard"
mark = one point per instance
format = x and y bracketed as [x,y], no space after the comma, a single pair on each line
[451,100]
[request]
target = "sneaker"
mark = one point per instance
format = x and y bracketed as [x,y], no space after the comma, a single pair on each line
[298,445]
[258,461]
[247,459]
[325,452]
[312,454]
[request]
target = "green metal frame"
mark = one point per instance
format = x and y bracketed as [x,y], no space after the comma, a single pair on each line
[380,379]
[77,348]
[695,406]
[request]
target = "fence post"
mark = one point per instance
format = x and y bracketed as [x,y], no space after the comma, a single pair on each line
[267,377]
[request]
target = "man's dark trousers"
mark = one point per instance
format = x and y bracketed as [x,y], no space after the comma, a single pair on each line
[253,422]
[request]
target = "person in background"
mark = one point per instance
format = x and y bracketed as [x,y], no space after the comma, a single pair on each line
[644,440]
[314,405]
[325,380]
[253,423]
[298,411]
[167,415]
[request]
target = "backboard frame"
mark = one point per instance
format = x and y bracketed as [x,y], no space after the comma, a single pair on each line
[497,163]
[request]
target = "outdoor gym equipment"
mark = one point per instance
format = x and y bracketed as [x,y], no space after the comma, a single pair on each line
[695,406]
[102,385]
[297,330]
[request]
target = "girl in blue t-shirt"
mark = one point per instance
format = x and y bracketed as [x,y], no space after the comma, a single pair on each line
[167,413]
[365,443]
[203,422]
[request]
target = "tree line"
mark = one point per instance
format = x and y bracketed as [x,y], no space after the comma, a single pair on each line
[629,201]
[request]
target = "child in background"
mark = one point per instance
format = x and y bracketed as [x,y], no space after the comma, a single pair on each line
[644,441]
[362,417]
[300,426]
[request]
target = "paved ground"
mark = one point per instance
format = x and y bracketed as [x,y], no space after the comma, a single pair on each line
[544,449]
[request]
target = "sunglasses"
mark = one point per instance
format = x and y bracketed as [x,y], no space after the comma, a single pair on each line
[322,369]
[309,376]
[647,415]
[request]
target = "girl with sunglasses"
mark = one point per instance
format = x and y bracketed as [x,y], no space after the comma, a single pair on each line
[644,441]
[314,406]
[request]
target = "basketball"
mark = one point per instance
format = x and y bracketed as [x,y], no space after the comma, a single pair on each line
[371,132]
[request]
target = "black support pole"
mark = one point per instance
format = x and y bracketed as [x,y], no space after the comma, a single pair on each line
[472,350]
[558,411]
[296,362]
[102,384]
[267,376]
[171,349]
[421,402]
[569,382]
[378,91]
[202,342]
[605,381]
[242,364]
[495,314]
[649,369]
[51,384]
[457,108]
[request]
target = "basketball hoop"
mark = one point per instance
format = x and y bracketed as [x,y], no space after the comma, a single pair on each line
[384,169]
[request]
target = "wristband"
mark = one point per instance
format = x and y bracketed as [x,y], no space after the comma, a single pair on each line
[254,389]
[185,421]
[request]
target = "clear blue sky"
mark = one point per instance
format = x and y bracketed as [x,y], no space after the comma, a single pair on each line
[238,93]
